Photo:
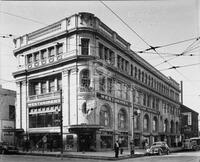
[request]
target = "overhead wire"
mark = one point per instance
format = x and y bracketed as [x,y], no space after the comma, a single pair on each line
[171,44]
[22,17]
[175,67]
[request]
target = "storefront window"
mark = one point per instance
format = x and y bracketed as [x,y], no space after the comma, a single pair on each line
[123,140]
[146,123]
[44,120]
[154,124]
[106,142]
[122,119]
[105,116]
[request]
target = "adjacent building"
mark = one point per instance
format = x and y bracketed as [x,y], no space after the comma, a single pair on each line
[103,84]
[7,115]
[189,122]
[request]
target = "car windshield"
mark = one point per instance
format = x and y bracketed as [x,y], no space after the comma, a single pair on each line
[155,146]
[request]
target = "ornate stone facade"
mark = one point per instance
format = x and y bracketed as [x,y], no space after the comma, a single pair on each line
[103,83]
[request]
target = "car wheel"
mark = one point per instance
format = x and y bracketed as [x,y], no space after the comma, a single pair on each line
[167,152]
[159,152]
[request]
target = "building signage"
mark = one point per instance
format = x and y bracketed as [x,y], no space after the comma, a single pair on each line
[41,103]
[189,117]
[112,99]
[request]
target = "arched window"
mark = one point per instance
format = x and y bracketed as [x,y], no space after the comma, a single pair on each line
[84,108]
[155,124]
[143,76]
[85,78]
[105,116]
[146,123]
[122,117]
[166,126]
[177,127]
[139,74]
[172,126]
[135,72]
[131,70]
[136,122]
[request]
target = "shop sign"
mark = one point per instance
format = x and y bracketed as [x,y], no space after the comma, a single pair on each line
[112,99]
[47,102]
[7,124]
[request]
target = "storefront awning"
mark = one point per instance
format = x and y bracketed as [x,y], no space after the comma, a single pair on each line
[84,128]
[20,130]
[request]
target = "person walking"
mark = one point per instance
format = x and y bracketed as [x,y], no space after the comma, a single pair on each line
[116,148]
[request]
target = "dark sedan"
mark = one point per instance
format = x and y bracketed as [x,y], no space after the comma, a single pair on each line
[7,148]
[157,150]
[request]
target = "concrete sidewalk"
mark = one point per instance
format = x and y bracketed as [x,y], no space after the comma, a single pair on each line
[107,155]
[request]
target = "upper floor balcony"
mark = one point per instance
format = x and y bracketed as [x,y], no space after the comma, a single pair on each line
[41,62]
[49,95]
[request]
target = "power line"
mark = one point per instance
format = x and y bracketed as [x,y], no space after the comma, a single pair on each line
[176,67]
[32,20]
[125,23]
[10,81]
[171,44]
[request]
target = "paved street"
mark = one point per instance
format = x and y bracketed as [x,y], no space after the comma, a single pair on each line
[173,157]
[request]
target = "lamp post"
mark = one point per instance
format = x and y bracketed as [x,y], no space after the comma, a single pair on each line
[132,144]
[61,125]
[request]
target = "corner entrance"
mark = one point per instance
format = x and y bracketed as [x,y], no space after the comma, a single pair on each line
[86,136]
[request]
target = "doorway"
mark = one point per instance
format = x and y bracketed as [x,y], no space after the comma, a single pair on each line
[86,142]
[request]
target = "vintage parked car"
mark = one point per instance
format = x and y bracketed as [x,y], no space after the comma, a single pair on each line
[7,148]
[158,148]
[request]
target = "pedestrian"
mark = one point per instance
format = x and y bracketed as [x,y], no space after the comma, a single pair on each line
[116,148]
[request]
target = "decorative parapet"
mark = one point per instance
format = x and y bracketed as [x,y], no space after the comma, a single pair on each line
[44,31]
[80,20]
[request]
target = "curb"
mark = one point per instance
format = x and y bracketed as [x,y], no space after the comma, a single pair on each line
[84,156]
[88,156]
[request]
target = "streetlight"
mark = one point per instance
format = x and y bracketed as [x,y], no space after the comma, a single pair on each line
[61,125]
[132,144]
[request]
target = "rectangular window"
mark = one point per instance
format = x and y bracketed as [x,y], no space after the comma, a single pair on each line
[43,87]
[112,57]
[48,120]
[51,85]
[148,100]
[32,121]
[11,112]
[29,58]
[101,51]
[41,120]
[59,49]
[144,99]
[44,54]
[119,90]
[85,46]
[36,88]
[118,61]
[51,52]
[102,83]
[106,54]
[36,56]
[59,84]
[109,85]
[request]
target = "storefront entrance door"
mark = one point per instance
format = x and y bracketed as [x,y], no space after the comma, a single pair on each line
[86,142]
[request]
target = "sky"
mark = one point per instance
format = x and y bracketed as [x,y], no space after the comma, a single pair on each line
[151,23]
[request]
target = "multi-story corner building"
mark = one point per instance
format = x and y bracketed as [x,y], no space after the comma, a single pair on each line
[103,83]
[7,115]
[189,122]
